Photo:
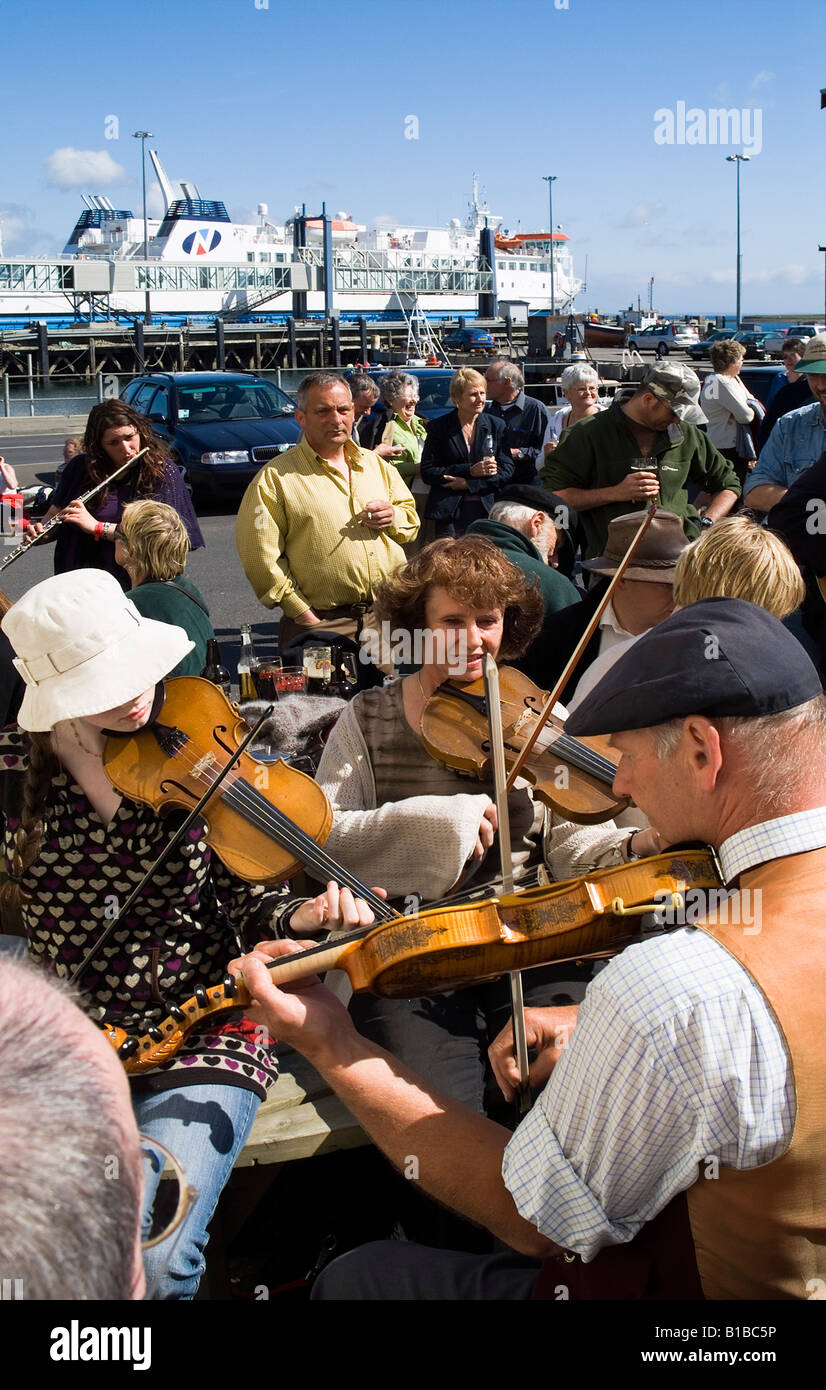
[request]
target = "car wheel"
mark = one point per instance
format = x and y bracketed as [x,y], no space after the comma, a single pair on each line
[633,345]
[662,349]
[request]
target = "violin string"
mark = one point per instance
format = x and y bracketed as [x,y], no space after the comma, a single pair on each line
[583,757]
[270,820]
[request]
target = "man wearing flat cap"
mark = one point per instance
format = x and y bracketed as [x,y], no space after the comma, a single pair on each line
[689,1100]
[534,527]
[643,597]
[600,466]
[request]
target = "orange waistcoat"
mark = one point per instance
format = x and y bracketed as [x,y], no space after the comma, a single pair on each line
[761,1232]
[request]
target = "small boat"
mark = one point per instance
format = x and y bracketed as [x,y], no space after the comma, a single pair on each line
[601,335]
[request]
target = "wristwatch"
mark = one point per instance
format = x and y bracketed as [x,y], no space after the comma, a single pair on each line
[706,522]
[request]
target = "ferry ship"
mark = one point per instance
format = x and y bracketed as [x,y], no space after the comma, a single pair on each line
[196,261]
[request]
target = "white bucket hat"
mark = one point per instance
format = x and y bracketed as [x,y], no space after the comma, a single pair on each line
[83,648]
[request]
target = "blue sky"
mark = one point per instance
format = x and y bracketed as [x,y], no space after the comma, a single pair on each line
[293,102]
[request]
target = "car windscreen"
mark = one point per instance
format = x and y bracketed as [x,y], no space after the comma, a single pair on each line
[434,392]
[253,400]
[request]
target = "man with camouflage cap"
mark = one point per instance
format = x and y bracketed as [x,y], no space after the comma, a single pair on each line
[597,467]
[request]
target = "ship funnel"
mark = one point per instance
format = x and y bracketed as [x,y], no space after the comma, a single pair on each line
[165,185]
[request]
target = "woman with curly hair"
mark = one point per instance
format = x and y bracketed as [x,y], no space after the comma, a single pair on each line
[114,433]
[421,826]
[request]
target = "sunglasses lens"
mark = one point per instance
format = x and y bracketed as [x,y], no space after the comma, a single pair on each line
[167,1200]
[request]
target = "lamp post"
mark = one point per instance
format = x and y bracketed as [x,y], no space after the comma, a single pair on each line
[143,136]
[738,159]
[823,248]
[550,180]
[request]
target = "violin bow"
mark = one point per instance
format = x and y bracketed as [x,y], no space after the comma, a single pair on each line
[576,655]
[58,520]
[497,742]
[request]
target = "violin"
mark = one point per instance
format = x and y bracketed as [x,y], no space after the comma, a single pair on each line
[572,776]
[266,821]
[450,946]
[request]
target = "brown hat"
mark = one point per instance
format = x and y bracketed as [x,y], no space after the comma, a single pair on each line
[658,553]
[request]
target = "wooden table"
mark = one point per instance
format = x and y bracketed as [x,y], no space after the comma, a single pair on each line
[300,1117]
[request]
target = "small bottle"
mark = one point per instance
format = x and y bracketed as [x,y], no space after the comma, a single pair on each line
[248,664]
[215,671]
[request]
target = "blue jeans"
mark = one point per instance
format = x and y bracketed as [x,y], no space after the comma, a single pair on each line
[205,1127]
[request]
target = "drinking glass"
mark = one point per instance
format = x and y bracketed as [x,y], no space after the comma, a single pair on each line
[290,680]
[264,677]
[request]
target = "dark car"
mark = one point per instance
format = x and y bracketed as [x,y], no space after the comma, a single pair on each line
[753,342]
[469,340]
[701,349]
[434,389]
[223,426]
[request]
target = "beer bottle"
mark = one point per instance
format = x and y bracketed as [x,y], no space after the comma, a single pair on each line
[215,671]
[248,664]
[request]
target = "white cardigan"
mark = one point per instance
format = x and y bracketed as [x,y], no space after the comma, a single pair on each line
[724,399]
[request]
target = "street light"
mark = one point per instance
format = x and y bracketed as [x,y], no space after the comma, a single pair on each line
[550,180]
[738,159]
[143,136]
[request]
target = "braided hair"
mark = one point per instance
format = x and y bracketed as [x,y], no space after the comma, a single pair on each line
[29,835]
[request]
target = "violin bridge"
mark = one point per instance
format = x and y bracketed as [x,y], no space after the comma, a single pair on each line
[205,764]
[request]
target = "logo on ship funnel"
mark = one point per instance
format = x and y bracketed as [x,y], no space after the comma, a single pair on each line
[199,243]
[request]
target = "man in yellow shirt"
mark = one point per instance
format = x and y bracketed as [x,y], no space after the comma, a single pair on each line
[324,523]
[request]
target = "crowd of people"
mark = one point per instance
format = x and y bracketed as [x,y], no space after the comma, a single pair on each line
[492,531]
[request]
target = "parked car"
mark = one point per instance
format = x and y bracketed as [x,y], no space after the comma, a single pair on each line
[754,341]
[775,341]
[469,340]
[222,426]
[700,350]
[663,338]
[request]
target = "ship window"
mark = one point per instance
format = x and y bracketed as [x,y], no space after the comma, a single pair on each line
[522,265]
[250,255]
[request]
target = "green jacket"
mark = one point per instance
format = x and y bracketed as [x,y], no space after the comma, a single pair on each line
[408,437]
[168,605]
[596,452]
[557,591]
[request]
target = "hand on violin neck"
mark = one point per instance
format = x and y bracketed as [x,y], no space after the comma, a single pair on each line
[334,910]
[303,1014]
[548,1032]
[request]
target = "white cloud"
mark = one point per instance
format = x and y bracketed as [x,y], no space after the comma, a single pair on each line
[641,214]
[761,78]
[87,169]
[19,235]
[783,275]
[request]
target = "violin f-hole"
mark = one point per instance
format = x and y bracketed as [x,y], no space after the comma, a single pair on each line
[222,729]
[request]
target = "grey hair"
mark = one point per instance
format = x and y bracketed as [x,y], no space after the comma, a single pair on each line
[360,382]
[395,384]
[514,514]
[508,371]
[578,371]
[317,379]
[776,767]
[71,1192]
